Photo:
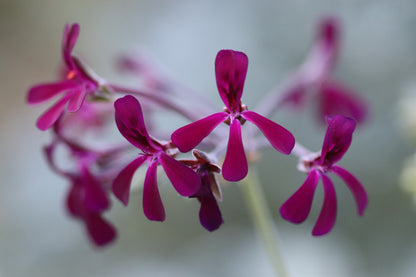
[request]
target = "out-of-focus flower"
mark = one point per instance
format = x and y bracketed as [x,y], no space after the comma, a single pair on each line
[315,78]
[337,141]
[79,82]
[129,120]
[230,70]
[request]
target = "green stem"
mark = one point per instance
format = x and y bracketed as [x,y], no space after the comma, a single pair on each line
[263,219]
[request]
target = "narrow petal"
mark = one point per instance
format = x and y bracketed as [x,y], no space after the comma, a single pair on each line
[74,200]
[296,209]
[328,213]
[130,123]
[235,165]
[48,118]
[355,186]
[328,36]
[230,71]
[76,100]
[184,180]
[152,203]
[44,92]
[121,184]
[70,37]
[338,138]
[101,232]
[188,137]
[280,138]
[338,99]
[95,198]
[209,213]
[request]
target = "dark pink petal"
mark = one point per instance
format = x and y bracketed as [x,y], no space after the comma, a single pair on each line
[230,71]
[130,123]
[68,42]
[338,99]
[76,100]
[328,213]
[48,118]
[95,198]
[184,180]
[235,166]
[100,231]
[354,185]
[75,200]
[152,203]
[296,209]
[43,92]
[188,137]
[209,213]
[280,138]
[121,184]
[328,36]
[337,140]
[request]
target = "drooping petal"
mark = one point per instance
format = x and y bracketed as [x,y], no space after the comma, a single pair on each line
[100,230]
[184,180]
[68,42]
[280,138]
[43,92]
[121,184]
[48,118]
[130,123]
[230,71]
[209,213]
[235,165]
[74,200]
[338,99]
[188,137]
[355,186]
[296,209]
[76,100]
[152,203]
[328,213]
[338,138]
[95,198]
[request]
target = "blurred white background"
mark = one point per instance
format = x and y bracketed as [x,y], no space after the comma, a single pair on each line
[378,59]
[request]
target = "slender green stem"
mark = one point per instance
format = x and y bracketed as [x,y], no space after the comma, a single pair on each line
[262,218]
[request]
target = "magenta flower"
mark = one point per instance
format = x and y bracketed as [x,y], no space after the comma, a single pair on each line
[129,120]
[337,141]
[317,75]
[230,70]
[77,85]
[209,212]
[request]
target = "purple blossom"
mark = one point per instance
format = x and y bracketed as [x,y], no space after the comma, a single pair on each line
[230,70]
[74,89]
[337,141]
[316,75]
[209,212]
[129,120]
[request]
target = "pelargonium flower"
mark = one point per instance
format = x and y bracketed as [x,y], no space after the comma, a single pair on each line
[87,198]
[230,70]
[209,213]
[129,120]
[317,75]
[77,85]
[337,141]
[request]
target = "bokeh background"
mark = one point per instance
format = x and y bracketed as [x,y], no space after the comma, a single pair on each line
[378,59]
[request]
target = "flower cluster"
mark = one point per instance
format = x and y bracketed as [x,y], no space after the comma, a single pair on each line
[90,105]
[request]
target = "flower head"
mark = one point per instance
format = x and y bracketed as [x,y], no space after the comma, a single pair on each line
[337,141]
[129,120]
[316,76]
[79,82]
[230,71]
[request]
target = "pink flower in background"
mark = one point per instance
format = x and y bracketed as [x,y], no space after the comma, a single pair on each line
[77,85]
[316,77]
[230,71]
[337,141]
[129,120]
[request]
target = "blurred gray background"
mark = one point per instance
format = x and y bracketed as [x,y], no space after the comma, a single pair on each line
[378,59]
